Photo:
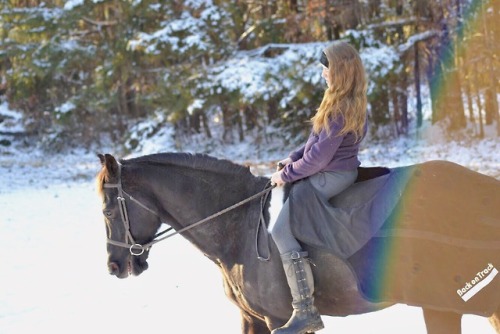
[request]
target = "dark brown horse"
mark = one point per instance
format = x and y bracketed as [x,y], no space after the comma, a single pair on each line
[139,195]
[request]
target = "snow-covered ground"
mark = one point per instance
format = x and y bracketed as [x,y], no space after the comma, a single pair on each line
[52,245]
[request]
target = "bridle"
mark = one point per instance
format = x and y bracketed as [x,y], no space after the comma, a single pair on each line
[134,247]
[137,249]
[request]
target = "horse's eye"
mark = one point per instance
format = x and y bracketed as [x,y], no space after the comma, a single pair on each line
[107,214]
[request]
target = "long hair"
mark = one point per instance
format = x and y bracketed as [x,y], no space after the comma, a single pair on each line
[346,96]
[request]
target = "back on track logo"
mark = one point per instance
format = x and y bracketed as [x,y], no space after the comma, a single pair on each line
[482,279]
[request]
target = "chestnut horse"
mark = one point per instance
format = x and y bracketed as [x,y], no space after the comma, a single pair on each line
[178,189]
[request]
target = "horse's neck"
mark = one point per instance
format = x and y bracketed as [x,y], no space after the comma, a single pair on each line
[224,235]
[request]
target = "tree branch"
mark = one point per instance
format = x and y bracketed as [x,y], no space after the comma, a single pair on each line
[417,38]
[100,23]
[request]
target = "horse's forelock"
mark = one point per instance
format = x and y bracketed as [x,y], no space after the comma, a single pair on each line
[101,178]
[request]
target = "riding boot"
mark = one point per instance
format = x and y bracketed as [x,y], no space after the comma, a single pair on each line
[305,317]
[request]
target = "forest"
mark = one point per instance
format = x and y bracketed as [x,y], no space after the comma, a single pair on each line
[83,70]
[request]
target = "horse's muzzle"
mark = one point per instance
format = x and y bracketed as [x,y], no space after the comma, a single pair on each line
[133,266]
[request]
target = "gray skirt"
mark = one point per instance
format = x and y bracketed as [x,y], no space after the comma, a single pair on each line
[326,185]
[329,184]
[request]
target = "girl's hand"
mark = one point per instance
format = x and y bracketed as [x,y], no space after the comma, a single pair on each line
[281,164]
[276,179]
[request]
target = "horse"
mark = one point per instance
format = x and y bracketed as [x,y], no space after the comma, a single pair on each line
[142,194]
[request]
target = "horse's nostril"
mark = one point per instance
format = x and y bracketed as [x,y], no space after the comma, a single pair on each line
[113,268]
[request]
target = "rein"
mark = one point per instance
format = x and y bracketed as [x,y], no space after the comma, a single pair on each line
[137,249]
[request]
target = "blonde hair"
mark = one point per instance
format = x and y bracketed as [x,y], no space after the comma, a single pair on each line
[346,95]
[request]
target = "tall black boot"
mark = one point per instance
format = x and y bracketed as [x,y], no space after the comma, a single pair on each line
[305,317]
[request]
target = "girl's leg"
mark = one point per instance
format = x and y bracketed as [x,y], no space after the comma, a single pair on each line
[305,317]
[329,184]
[282,232]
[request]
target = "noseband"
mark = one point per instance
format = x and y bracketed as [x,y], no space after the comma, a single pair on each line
[137,249]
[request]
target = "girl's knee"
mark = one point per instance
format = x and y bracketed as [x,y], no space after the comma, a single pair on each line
[279,228]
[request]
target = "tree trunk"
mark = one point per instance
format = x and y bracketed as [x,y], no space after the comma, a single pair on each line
[489,106]
[239,123]
[445,81]
[195,121]
[468,93]
[206,126]
[251,116]
[403,102]
[433,80]
[396,115]
[455,80]
[491,102]
[272,110]
[416,70]
[380,106]
[454,104]
[478,102]
[226,123]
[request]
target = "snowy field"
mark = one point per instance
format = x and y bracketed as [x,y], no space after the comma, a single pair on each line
[54,276]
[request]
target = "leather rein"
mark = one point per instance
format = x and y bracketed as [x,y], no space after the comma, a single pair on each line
[137,249]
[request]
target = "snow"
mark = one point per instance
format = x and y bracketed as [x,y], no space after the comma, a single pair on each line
[65,108]
[48,14]
[256,76]
[182,34]
[196,104]
[12,120]
[379,59]
[417,38]
[70,4]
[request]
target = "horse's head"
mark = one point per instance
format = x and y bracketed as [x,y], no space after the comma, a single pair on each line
[128,223]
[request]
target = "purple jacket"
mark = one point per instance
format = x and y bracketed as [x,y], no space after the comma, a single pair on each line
[323,153]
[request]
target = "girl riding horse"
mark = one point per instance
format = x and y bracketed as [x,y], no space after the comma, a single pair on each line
[330,159]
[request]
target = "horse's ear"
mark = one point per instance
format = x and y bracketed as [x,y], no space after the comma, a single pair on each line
[111,164]
[102,159]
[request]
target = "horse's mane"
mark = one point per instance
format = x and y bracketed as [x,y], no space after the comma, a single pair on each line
[196,161]
[184,160]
